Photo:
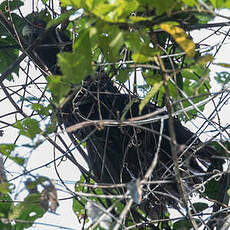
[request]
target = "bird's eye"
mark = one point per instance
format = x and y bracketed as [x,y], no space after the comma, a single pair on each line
[39,25]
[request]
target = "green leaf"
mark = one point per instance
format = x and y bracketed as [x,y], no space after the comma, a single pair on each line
[123,75]
[141,58]
[155,88]
[79,207]
[117,40]
[228,192]
[79,204]
[8,56]
[123,9]
[180,37]
[113,11]
[222,78]
[203,18]
[159,7]
[218,3]
[41,109]
[6,149]
[118,11]
[227,4]
[226,65]
[58,87]
[190,2]
[13,5]
[199,206]
[114,41]
[77,65]
[23,211]
[140,47]
[205,59]
[182,224]
[51,126]
[212,188]
[152,79]
[127,108]
[28,127]
[5,188]
[5,207]
[62,18]
[18,160]
[134,19]
[195,86]
[109,39]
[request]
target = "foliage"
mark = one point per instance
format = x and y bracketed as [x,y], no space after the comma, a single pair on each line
[119,38]
[107,28]
[27,210]
[9,52]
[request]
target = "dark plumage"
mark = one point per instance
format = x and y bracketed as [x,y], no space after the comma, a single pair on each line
[118,154]
[133,147]
[52,42]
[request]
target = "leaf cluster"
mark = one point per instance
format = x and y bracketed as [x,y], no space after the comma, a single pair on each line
[22,214]
[117,37]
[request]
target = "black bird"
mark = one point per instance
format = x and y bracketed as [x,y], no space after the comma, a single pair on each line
[120,154]
[52,41]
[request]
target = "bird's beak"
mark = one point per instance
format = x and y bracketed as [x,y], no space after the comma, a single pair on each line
[27,31]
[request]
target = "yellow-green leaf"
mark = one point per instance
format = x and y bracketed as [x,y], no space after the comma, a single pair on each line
[6,149]
[127,108]
[4,187]
[226,65]
[140,58]
[190,2]
[76,66]
[117,41]
[58,88]
[63,17]
[161,6]
[228,192]
[76,3]
[134,19]
[218,3]
[205,59]
[28,127]
[180,37]
[149,95]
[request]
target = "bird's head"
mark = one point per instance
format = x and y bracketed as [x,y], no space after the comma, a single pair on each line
[34,25]
[51,42]
[33,29]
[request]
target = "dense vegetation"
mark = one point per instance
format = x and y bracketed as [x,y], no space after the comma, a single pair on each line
[147,51]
